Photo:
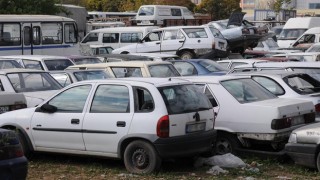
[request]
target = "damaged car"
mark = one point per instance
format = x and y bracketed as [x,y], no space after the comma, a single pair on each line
[241,34]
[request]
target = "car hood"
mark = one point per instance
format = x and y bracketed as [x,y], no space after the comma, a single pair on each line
[35,98]
[285,106]
[236,18]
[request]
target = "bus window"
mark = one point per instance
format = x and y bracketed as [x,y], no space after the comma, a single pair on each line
[91,37]
[51,33]
[10,34]
[130,37]
[70,35]
[36,35]
[26,35]
[110,38]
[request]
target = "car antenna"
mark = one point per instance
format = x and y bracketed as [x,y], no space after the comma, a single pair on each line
[169,79]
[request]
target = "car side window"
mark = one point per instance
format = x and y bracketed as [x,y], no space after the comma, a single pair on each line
[111,99]
[269,84]
[170,35]
[153,36]
[204,89]
[121,72]
[143,100]
[185,68]
[71,100]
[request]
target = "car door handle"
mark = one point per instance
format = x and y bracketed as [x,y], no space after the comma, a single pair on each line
[121,124]
[75,121]
[157,42]
[199,41]
[181,41]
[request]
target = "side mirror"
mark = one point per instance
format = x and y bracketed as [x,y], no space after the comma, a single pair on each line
[48,108]
[140,41]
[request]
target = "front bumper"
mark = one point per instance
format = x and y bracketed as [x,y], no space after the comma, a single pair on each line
[16,168]
[187,145]
[303,154]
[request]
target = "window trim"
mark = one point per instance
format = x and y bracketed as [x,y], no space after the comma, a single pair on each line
[284,91]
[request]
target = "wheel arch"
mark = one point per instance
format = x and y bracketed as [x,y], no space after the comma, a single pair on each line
[185,49]
[16,127]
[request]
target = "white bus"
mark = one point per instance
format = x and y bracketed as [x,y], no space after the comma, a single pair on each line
[38,34]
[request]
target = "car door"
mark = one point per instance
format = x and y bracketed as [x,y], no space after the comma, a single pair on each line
[172,41]
[197,38]
[108,118]
[62,129]
[150,43]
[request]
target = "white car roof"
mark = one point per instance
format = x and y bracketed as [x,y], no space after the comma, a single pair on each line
[210,79]
[244,60]
[282,64]
[154,54]
[124,29]
[35,57]
[266,73]
[18,70]
[120,64]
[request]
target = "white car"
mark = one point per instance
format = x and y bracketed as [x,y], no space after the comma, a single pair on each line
[289,85]
[141,121]
[133,69]
[34,84]
[185,41]
[42,62]
[247,114]
[231,63]
[11,101]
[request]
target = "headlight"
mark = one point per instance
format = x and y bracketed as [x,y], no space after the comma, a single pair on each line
[293,138]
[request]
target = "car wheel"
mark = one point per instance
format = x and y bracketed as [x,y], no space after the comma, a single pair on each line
[226,143]
[186,55]
[24,144]
[141,157]
[318,162]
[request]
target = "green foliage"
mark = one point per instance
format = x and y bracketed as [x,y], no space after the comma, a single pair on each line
[277,6]
[218,9]
[133,5]
[29,7]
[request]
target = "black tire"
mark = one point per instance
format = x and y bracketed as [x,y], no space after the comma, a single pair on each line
[318,162]
[24,144]
[226,143]
[186,55]
[141,157]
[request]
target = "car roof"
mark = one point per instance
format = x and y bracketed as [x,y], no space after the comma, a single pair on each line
[267,73]
[18,70]
[211,79]
[149,80]
[154,54]
[125,56]
[178,27]
[243,60]
[282,64]
[124,29]
[35,57]
[120,64]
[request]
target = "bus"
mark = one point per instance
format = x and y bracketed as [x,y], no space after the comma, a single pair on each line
[38,34]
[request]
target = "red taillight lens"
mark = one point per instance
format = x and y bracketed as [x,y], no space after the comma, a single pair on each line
[317,108]
[163,127]
[17,106]
[213,45]
[309,118]
[280,123]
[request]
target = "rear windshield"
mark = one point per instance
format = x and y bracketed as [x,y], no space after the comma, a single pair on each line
[86,60]
[212,66]
[58,64]
[291,34]
[90,75]
[247,90]
[303,83]
[146,11]
[313,72]
[8,64]
[184,98]
[163,70]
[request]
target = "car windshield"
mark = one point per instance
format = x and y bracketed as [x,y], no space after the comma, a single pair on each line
[314,48]
[8,64]
[146,11]
[163,70]
[33,81]
[313,72]
[302,83]
[57,64]
[90,75]
[291,34]
[184,98]
[271,43]
[247,90]
[89,60]
[212,66]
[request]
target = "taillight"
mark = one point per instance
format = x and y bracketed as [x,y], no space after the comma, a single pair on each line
[17,106]
[163,127]
[10,146]
[317,108]
[309,118]
[280,123]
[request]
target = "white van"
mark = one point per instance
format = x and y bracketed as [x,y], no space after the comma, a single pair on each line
[294,28]
[115,37]
[155,14]
[307,39]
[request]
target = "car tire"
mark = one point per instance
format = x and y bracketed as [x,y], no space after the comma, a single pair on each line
[24,144]
[141,157]
[226,143]
[186,55]
[318,161]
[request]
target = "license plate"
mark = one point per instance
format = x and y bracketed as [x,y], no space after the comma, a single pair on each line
[195,127]
[297,120]
[145,22]
[4,109]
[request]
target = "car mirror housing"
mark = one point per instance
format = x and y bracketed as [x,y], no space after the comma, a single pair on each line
[48,108]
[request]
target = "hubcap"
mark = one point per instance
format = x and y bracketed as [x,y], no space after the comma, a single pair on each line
[223,147]
[140,159]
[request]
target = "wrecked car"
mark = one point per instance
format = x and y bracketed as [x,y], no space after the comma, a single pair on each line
[303,146]
[247,115]
[241,34]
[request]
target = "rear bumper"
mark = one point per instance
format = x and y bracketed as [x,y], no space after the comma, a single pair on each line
[187,145]
[303,154]
[16,168]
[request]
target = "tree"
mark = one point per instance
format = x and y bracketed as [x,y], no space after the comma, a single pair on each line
[133,5]
[29,7]
[277,5]
[218,9]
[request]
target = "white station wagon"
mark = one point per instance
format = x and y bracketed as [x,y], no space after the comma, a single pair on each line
[247,114]
[141,121]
